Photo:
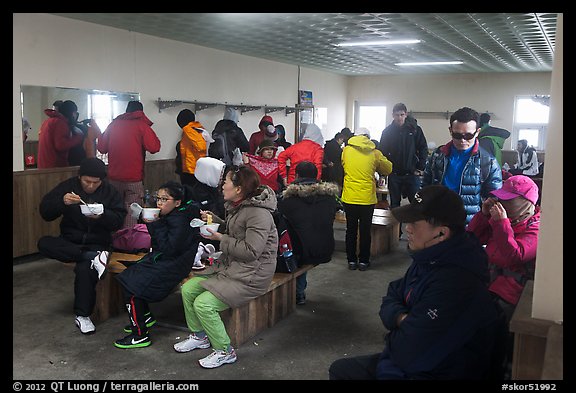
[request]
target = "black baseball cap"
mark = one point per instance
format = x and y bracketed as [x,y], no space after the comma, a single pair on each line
[435,202]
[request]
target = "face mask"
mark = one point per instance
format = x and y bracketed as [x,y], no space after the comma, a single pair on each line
[270,129]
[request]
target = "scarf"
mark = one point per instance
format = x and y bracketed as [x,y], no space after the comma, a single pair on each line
[518,209]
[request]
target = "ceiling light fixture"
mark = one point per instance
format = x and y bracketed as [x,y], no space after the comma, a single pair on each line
[421,63]
[384,42]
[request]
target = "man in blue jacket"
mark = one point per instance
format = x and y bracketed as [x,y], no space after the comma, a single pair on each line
[442,322]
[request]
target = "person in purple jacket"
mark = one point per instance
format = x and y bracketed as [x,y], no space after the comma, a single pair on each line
[442,322]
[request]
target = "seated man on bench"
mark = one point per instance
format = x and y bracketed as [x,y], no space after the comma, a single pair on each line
[309,207]
[84,239]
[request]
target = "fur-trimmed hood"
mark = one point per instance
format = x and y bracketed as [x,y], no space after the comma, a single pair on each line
[306,190]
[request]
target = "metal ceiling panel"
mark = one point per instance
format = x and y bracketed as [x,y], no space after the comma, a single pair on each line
[485,42]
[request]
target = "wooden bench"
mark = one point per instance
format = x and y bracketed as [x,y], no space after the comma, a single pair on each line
[241,323]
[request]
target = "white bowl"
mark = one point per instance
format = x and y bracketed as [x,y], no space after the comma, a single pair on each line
[92,209]
[150,213]
[204,229]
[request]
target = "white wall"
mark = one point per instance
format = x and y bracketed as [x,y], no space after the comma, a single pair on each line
[448,92]
[53,51]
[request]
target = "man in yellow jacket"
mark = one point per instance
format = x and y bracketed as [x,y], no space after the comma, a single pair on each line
[361,160]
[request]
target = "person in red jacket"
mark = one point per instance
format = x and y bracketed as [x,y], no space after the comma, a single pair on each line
[55,137]
[310,148]
[266,131]
[508,225]
[126,140]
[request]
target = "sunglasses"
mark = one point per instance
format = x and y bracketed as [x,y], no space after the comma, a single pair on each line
[467,136]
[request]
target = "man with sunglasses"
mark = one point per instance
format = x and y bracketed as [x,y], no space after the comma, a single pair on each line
[463,165]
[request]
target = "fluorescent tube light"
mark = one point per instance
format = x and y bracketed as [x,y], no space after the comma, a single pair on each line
[430,63]
[383,42]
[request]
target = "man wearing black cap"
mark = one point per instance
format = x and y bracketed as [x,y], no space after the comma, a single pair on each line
[84,238]
[442,322]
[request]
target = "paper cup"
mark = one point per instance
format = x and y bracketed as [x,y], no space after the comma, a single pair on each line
[150,213]
[135,209]
[204,229]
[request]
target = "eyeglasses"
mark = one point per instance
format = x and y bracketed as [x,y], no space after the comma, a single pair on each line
[467,136]
[162,199]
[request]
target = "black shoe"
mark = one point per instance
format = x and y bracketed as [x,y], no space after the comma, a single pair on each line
[300,300]
[352,265]
[363,266]
[133,341]
[150,321]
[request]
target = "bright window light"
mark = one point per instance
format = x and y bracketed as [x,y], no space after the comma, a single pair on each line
[383,42]
[430,63]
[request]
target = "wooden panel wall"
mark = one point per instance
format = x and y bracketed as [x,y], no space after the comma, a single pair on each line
[29,186]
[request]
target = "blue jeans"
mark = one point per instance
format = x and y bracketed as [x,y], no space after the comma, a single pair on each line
[301,284]
[407,185]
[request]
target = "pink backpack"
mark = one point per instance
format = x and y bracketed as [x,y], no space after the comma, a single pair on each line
[133,239]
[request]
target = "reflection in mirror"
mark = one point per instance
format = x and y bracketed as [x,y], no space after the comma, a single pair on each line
[101,105]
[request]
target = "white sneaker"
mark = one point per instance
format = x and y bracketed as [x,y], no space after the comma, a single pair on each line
[218,358]
[207,249]
[192,342]
[85,325]
[99,262]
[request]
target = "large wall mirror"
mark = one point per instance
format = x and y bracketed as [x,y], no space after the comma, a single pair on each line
[101,105]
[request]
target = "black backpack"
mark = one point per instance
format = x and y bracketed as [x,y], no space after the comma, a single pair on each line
[219,148]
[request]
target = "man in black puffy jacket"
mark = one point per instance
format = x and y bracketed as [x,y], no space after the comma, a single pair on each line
[227,137]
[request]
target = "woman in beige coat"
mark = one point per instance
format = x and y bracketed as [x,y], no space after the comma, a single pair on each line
[249,243]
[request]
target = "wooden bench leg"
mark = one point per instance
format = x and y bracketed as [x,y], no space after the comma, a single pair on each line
[109,299]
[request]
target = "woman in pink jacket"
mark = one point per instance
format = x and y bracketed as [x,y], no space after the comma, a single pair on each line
[508,225]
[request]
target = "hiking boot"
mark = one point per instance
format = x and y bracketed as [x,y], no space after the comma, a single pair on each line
[192,342]
[218,358]
[150,321]
[99,262]
[85,325]
[363,266]
[352,265]
[133,341]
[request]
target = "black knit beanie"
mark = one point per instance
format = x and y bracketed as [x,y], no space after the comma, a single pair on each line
[185,117]
[93,167]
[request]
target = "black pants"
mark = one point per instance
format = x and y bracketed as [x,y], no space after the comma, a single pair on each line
[137,310]
[356,368]
[86,278]
[358,216]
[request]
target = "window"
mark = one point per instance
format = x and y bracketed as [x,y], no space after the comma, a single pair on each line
[371,116]
[531,120]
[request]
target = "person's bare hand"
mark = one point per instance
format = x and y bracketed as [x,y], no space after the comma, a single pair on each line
[497,212]
[71,199]
[204,213]
[487,204]
[214,235]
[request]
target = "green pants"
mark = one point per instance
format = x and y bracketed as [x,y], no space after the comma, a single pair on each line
[202,311]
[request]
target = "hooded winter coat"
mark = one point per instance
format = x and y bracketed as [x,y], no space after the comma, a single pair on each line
[55,140]
[309,149]
[192,146]
[511,252]
[126,141]
[492,139]
[174,245]
[361,160]
[310,207]
[249,248]
[451,324]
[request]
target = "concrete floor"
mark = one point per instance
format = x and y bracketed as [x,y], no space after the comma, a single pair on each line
[340,319]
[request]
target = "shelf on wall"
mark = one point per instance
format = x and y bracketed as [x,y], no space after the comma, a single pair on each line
[243,108]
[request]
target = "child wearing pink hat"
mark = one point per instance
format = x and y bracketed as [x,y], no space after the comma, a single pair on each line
[508,226]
